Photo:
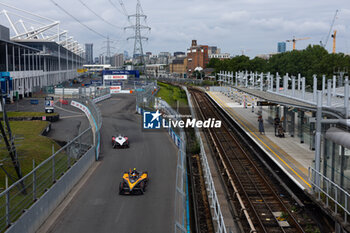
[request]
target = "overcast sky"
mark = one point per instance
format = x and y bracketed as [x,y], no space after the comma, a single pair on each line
[253,26]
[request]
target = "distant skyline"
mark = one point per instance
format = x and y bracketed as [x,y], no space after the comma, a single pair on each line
[252,26]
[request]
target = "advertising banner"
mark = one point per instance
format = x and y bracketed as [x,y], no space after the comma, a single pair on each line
[115,89]
[115,77]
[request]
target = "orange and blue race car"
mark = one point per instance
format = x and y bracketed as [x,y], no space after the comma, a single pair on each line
[133,182]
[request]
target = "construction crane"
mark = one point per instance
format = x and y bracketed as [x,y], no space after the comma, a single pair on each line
[334,36]
[330,30]
[295,40]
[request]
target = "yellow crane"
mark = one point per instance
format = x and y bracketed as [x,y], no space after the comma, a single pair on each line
[334,36]
[295,40]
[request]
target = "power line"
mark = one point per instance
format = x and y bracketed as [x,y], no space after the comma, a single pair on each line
[98,15]
[123,7]
[110,1]
[84,25]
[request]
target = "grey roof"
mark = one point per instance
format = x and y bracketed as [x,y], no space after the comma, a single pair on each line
[273,98]
[19,45]
[283,100]
[178,61]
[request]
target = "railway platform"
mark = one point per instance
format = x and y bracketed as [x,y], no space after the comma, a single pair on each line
[288,153]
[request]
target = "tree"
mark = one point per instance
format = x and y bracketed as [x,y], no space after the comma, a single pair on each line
[313,60]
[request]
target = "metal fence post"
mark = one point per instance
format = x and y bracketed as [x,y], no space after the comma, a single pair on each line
[68,156]
[8,220]
[315,89]
[303,88]
[334,85]
[336,200]
[346,207]
[277,83]
[329,86]
[34,181]
[53,164]
[327,188]
[318,137]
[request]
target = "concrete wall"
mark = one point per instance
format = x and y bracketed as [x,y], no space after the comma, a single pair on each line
[32,219]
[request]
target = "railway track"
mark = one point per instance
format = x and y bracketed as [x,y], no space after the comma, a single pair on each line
[262,208]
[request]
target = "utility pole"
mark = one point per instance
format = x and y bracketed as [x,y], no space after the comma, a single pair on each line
[108,47]
[138,50]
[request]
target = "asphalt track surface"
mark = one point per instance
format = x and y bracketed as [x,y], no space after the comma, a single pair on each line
[97,206]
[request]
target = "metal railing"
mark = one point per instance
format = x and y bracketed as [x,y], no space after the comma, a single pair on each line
[91,92]
[332,194]
[145,99]
[181,80]
[181,191]
[217,216]
[95,119]
[294,87]
[17,198]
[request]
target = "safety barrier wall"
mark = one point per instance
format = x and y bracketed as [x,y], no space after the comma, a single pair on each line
[101,98]
[94,116]
[146,99]
[22,194]
[17,198]
[217,217]
[32,218]
[182,221]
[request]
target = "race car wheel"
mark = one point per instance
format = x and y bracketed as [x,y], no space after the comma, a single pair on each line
[142,187]
[121,191]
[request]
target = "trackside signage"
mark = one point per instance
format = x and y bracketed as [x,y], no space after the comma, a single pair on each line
[115,89]
[155,120]
[81,107]
[115,77]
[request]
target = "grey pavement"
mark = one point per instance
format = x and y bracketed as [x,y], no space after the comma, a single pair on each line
[97,206]
[72,120]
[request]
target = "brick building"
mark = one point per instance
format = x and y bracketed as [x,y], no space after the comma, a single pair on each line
[197,56]
[179,66]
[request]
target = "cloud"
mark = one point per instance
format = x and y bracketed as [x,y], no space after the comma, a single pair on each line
[230,24]
[235,17]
